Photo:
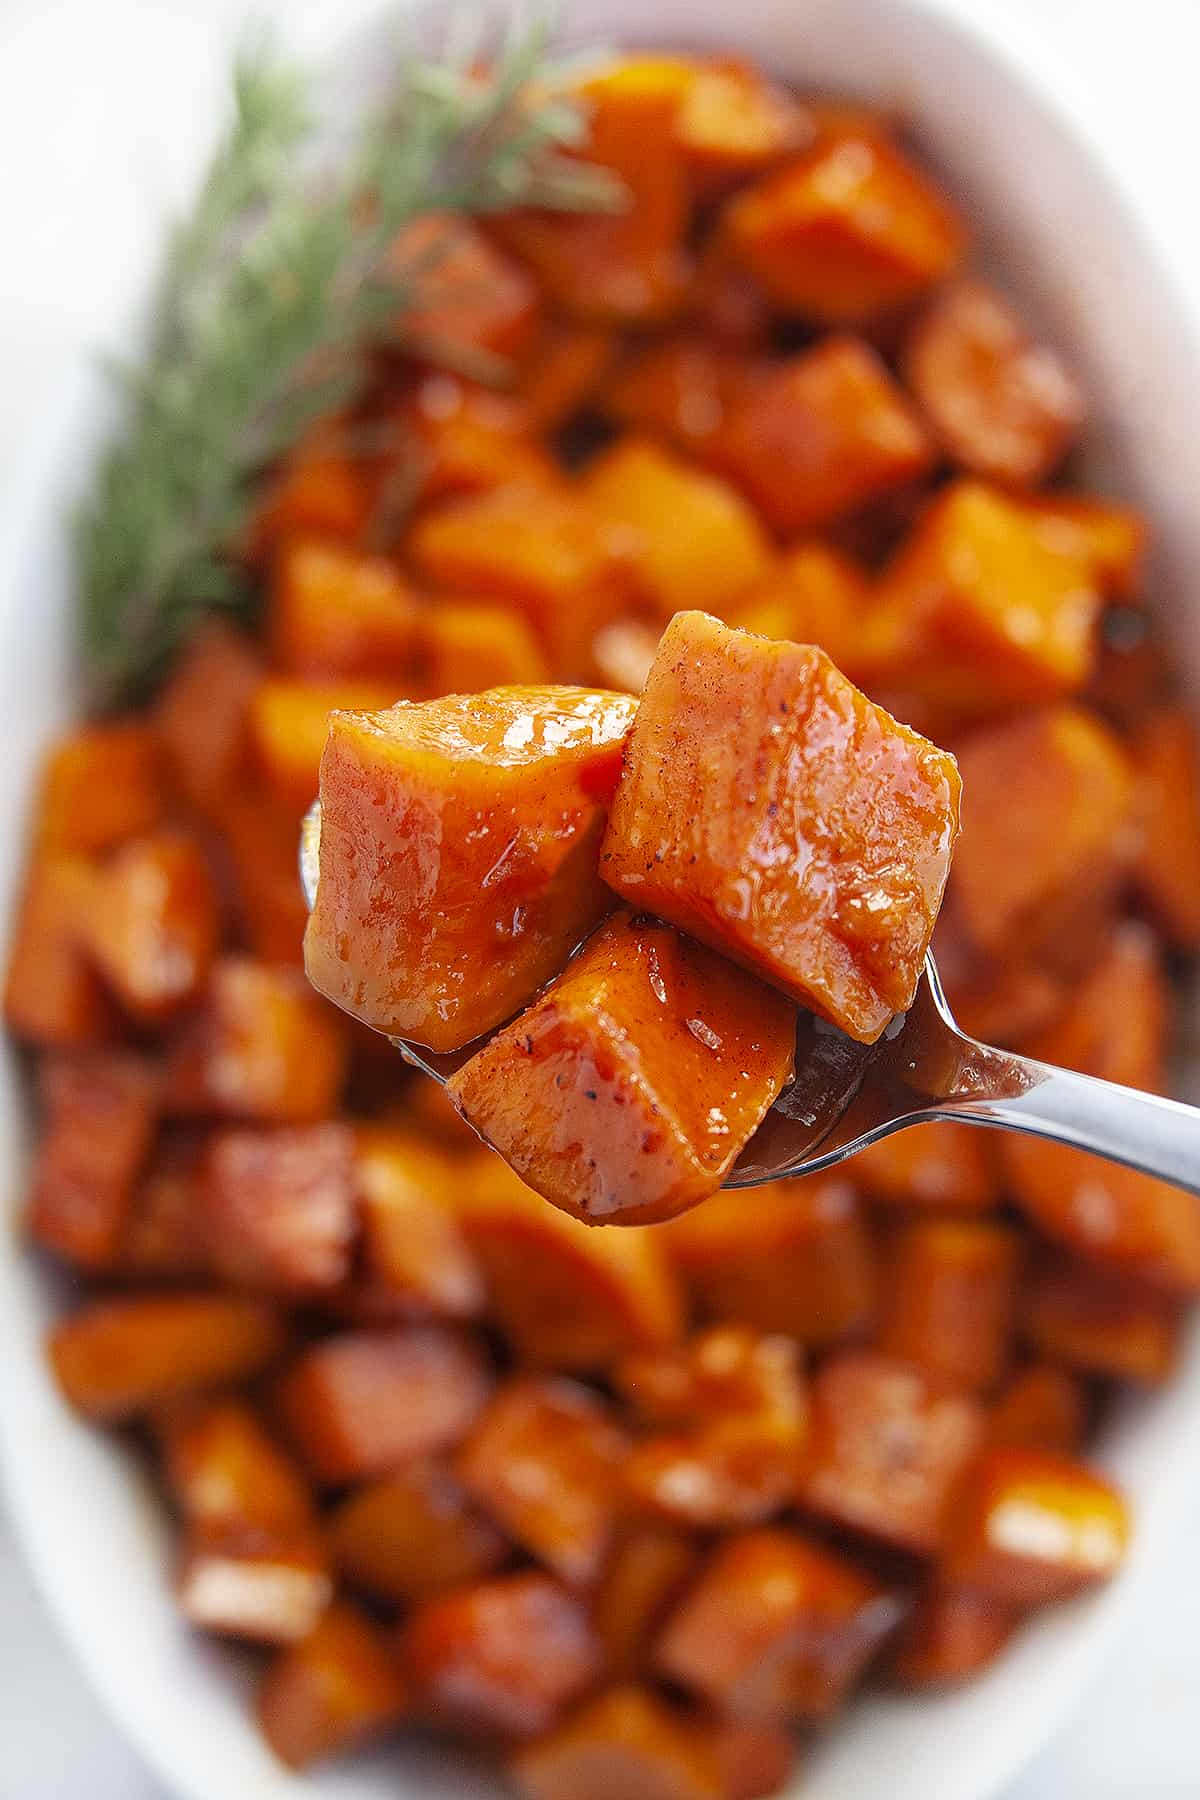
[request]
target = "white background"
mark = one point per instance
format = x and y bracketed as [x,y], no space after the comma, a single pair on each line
[91,92]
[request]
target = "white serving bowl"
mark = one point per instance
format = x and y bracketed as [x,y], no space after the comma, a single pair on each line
[1040,168]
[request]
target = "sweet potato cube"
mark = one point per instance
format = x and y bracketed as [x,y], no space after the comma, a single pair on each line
[470,295]
[336,1689]
[951,1635]
[260,834]
[544,1461]
[463,648]
[201,714]
[261,1046]
[116,1359]
[1030,1528]
[565,1296]
[262,1588]
[752,755]
[562,371]
[1019,869]
[1167,870]
[333,613]
[682,387]
[728,1372]
[628,1089]
[52,994]
[456,439]
[154,929]
[1110,538]
[821,435]
[101,785]
[887,1449]
[362,1403]
[319,490]
[792,1256]
[289,723]
[934,1167]
[500,1658]
[100,1111]
[414,1248]
[775,1627]
[626,1745]
[755,1757]
[733,122]
[1004,405]
[690,539]
[459,845]
[645,1575]
[847,231]
[1043,1407]
[412,1534]
[225,1471]
[165,1236]
[1101,1322]
[814,595]
[280,1207]
[950,1299]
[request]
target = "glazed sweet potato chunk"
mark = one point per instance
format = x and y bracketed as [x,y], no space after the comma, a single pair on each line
[1043,1407]
[456,439]
[201,712]
[53,996]
[1003,404]
[333,613]
[154,926]
[563,370]
[463,647]
[1101,1322]
[116,1359]
[472,296]
[814,595]
[264,1589]
[336,1689]
[100,786]
[690,539]
[412,1534]
[847,231]
[259,836]
[887,1449]
[565,1296]
[625,1745]
[683,387]
[1110,538]
[458,854]
[775,1627]
[794,1257]
[100,1111]
[1029,1528]
[934,1167]
[951,1635]
[288,725]
[261,1046]
[500,1658]
[1167,870]
[628,1089]
[280,1207]
[820,435]
[950,1300]
[645,1575]
[414,1248]
[319,489]
[755,1757]
[361,1403]
[769,808]
[165,1236]
[734,122]
[225,1470]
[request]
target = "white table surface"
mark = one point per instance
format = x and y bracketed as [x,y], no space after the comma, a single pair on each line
[88,89]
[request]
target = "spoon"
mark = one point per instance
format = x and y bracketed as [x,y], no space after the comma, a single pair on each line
[847,1095]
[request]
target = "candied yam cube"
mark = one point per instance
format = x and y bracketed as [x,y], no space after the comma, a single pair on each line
[503,1657]
[333,612]
[458,854]
[464,648]
[1117,1019]
[1017,869]
[933,1166]
[815,595]
[977,612]
[727,1372]
[413,1244]
[339,1687]
[562,372]
[468,295]
[950,1298]
[225,1471]
[775,1627]
[116,1359]
[261,1046]
[543,1461]
[644,1576]
[154,926]
[260,836]
[951,1635]
[822,434]
[280,1207]
[100,1110]
[165,1235]
[733,122]
[363,1402]
[755,1757]
[887,1449]
[690,539]
[536,548]
[289,723]
[52,994]
[565,1296]
[100,786]
[1042,1407]
[770,809]
[682,387]
[847,231]
[201,714]
[791,1256]
[1003,404]
[412,1534]
[626,1745]
[263,1588]
[456,438]
[318,490]
[1110,538]
[1030,1528]
[1101,1322]
[629,1088]
[1167,870]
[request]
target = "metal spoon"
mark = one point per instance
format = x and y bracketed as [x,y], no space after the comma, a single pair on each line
[848,1095]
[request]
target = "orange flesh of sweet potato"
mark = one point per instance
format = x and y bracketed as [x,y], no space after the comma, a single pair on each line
[259,836]
[101,1109]
[164,1237]
[280,1207]
[463,647]
[318,490]
[154,929]
[101,785]
[225,1470]
[933,1167]
[289,723]
[1029,1528]
[472,296]
[334,613]
[755,1757]
[951,1635]
[628,1089]
[626,1745]
[683,387]
[1167,870]
[336,1689]
[950,1300]
[1110,538]
[1042,1407]
[411,1534]
[454,438]
[53,996]
[770,809]
[644,1576]
[413,1244]
[562,371]
[458,854]
[201,713]
[1099,1321]
[815,595]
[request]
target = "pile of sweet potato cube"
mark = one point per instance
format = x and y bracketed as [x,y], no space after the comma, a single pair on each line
[630,1507]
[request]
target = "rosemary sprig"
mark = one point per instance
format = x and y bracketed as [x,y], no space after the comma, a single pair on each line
[272,290]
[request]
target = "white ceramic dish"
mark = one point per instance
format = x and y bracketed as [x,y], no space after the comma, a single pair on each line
[1037,164]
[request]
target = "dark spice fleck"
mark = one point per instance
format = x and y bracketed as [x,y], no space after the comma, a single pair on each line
[591,1094]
